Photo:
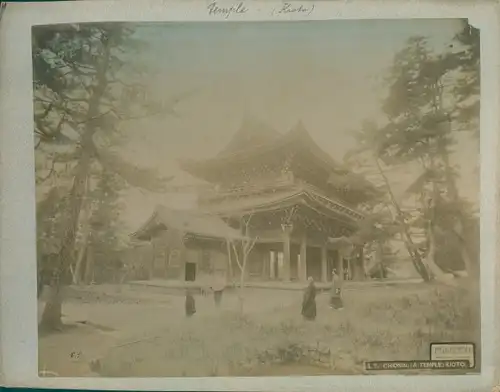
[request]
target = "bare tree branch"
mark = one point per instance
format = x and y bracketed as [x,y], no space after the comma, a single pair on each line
[40,180]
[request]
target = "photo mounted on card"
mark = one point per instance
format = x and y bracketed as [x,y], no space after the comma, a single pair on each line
[218,196]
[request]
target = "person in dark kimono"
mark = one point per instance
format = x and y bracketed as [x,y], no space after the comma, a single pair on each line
[309,301]
[336,292]
[190,304]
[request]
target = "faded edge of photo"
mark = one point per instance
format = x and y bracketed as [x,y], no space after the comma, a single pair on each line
[18,336]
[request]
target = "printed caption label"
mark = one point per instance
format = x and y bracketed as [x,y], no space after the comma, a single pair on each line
[453,352]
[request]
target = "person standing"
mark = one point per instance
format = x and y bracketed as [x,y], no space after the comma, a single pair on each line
[336,292]
[309,301]
[190,304]
[218,288]
[346,274]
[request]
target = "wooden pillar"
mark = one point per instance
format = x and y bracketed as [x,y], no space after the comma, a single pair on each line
[286,258]
[362,263]
[267,263]
[273,270]
[345,253]
[340,265]
[302,275]
[324,262]
[153,257]
[287,230]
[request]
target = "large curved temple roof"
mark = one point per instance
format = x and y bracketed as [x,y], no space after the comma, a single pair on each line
[252,133]
[284,197]
[256,142]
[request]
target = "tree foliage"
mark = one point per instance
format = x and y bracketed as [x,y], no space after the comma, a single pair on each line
[431,97]
[466,62]
[87,81]
[73,65]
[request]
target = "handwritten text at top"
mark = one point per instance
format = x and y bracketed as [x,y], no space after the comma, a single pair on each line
[227,11]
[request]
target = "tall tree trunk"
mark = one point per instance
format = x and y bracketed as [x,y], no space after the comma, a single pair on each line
[380,259]
[367,250]
[51,318]
[431,209]
[241,254]
[85,229]
[229,262]
[88,278]
[461,229]
[431,253]
[241,262]
[417,261]
[437,273]
[441,150]
[242,284]
[77,273]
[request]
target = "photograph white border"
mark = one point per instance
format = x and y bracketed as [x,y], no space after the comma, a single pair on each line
[18,313]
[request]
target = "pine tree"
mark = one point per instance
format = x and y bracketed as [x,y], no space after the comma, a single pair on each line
[424,112]
[465,60]
[87,81]
[105,242]
[386,218]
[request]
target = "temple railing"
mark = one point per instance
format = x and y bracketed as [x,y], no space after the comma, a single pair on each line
[242,190]
[263,189]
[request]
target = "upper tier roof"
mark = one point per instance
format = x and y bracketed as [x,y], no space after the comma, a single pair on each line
[252,133]
[254,140]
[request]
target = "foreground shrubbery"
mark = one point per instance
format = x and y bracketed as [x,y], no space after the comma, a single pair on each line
[377,324]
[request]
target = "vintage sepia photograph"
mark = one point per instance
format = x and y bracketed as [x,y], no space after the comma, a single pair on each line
[278,198]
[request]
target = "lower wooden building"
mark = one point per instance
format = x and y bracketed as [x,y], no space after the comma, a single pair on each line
[195,246]
[185,245]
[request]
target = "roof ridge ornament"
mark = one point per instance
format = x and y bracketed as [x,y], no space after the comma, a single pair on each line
[300,128]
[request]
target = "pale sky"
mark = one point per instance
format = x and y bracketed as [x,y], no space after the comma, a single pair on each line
[325,74]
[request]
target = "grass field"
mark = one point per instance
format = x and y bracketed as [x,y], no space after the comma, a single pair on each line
[145,334]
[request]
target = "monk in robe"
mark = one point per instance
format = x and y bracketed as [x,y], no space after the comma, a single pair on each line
[309,301]
[190,304]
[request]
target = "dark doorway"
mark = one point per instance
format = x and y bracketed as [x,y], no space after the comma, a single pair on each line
[276,265]
[190,275]
[313,264]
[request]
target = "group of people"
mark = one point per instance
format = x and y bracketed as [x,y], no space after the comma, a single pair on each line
[309,300]
[190,304]
[309,310]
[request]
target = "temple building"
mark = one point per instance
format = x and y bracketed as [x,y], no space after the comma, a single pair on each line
[185,245]
[286,195]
